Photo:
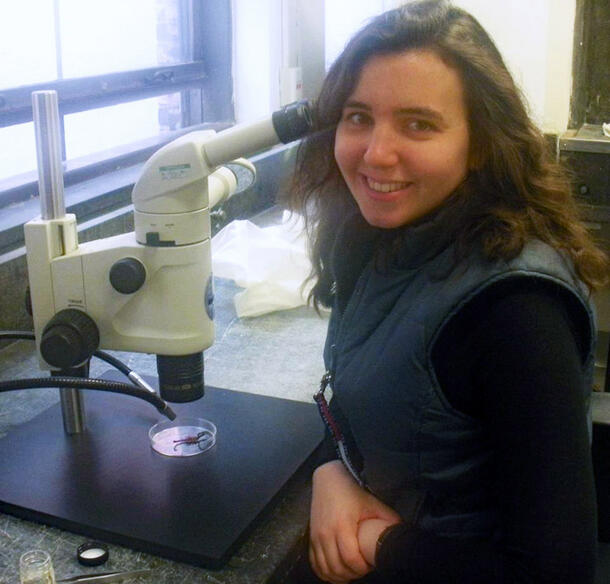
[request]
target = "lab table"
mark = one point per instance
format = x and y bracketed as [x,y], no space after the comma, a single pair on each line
[277,355]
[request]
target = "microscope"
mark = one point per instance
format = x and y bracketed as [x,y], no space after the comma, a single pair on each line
[151,290]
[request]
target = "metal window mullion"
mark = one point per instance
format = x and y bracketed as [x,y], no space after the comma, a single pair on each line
[212,43]
[186,30]
[186,40]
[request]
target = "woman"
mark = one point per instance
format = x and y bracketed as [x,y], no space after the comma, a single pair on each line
[460,344]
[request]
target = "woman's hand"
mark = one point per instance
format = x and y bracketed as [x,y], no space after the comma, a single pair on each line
[338,506]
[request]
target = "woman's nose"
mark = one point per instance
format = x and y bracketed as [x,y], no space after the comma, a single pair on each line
[381,148]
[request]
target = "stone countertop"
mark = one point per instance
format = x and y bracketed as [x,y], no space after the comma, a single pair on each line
[278,354]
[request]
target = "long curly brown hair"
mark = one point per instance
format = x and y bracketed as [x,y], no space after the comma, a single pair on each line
[517,190]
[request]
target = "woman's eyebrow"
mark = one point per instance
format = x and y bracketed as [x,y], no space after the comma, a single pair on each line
[356,105]
[425,112]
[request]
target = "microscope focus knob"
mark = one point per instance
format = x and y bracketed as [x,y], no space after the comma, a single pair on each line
[69,339]
[127,275]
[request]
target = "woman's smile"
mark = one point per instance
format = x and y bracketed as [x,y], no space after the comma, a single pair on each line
[385,187]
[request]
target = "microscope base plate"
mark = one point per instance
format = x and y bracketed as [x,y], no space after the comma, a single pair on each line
[108,483]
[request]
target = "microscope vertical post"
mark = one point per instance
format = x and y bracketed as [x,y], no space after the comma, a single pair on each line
[45,111]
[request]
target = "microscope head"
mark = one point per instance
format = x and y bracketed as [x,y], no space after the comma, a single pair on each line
[179,186]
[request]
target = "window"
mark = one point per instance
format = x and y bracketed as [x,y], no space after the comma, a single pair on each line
[130,76]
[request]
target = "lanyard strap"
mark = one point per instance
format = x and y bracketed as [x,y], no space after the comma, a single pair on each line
[334,429]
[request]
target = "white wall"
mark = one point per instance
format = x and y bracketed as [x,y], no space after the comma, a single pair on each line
[534,36]
[256,39]
[559,53]
[536,39]
[311,44]
[344,17]
[271,36]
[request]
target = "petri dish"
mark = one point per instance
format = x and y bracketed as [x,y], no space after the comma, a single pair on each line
[182,436]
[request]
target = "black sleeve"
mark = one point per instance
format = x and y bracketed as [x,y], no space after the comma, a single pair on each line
[513,358]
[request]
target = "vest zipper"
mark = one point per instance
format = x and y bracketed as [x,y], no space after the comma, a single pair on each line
[333,427]
[327,379]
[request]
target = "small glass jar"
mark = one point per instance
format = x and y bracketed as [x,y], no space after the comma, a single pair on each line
[36,567]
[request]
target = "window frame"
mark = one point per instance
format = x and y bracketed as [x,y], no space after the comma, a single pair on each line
[86,93]
[205,83]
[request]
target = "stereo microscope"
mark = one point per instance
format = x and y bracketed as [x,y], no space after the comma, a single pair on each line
[149,291]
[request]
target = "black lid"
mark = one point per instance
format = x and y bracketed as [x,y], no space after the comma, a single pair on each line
[92,553]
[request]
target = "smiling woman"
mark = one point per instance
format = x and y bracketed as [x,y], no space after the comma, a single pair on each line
[447,244]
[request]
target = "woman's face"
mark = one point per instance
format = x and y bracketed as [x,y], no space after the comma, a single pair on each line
[403,140]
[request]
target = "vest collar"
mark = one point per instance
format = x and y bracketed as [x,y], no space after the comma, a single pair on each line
[412,246]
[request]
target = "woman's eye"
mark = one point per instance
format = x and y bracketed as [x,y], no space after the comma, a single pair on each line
[356,118]
[420,126]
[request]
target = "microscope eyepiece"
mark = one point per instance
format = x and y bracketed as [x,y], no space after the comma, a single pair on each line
[293,121]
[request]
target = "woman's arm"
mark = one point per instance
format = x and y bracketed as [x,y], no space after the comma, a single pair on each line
[338,505]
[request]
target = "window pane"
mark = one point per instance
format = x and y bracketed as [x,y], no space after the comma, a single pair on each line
[18,147]
[27,43]
[46,40]
[96,38]
[92,131]
[104,128]
[114,35]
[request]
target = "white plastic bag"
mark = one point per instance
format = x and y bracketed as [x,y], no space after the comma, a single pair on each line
[270,263]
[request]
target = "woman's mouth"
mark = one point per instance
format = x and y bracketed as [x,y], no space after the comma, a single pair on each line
[385,187]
